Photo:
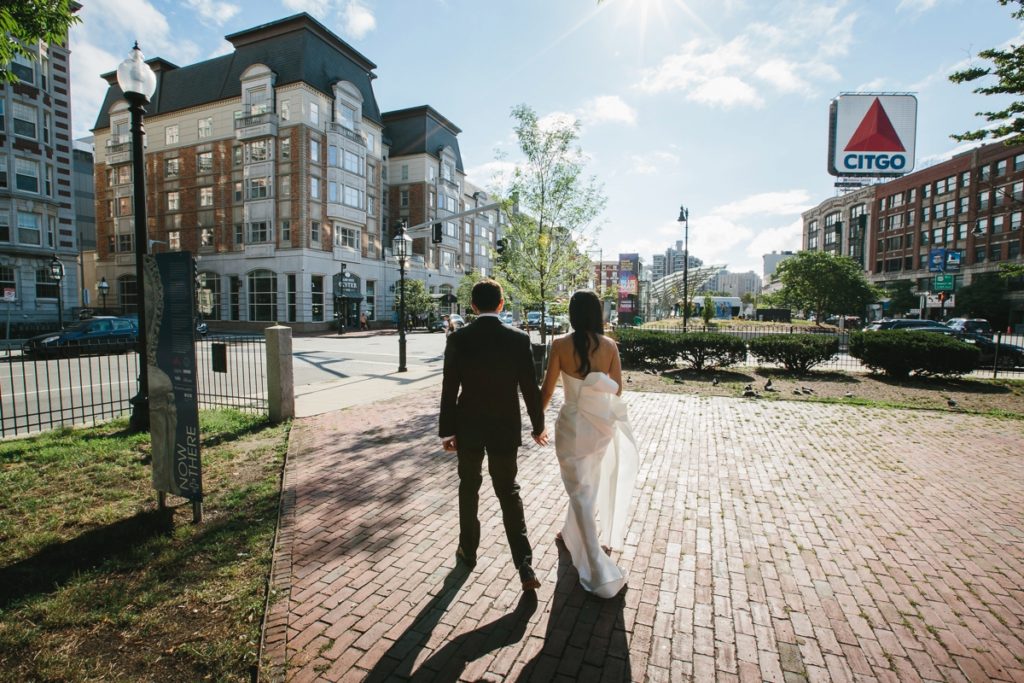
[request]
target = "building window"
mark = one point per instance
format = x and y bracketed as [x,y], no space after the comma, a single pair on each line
[237,191]
[284,186]
[206,128]
[314,232]
[172,167]
[981,226]
[353,197]
[997,224]
[332,191]
[173,201]
[25,120]
[346,237]
[24,68]
[371,299]
[316,290]
[3,171]
[174,240]
[26,175]
[46,286]
[286,231]
[259,188]
[285,110]
[205,196]
[5,228]
[1015,220]
[239,234]
[1013,250]
[314,187]
[262,295]
[3,116]
[314,113]
[29,231]
[332,156]
[979,254]
[206,237]
[171,135]
[124,174]
[259,231]
[124,206]
[286,149]
[7,280]
[405,171]
[353,163]
[257,150]
[204,162]
[125,243]
[46,128]
[1001,167]
[403,198]
[347,116]
[236,155]
[371,143]
[314,151]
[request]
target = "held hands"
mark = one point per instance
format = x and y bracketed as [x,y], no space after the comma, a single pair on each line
[542,438]
[449,444]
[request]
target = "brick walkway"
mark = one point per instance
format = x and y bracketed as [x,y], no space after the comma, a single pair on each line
[775,541]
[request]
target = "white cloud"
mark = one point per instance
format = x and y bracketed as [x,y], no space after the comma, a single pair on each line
[556,119]
[916,6]
[607,109]
[791,56]
[767,204]
[358,19]
[655,162]
[213,11]
[317,8]
[491,174]
[786,237]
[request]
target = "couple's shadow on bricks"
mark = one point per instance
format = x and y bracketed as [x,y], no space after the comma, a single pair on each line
[584,635]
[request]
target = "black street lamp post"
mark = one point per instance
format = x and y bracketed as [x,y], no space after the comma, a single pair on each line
[138,83]
[684,218]
[57,274]
[401,244]
[104,287]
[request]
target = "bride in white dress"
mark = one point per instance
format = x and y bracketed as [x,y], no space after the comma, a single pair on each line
[594,443]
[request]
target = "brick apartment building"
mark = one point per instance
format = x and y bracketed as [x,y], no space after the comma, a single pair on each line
[275,165]
[36,208]
[964,215]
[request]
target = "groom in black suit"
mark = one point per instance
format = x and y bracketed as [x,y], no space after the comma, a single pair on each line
[491,363]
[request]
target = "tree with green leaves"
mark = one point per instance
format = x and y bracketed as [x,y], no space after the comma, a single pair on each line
[826,284]
[24,23]
[708,310]
[551,207]
[902,298]
[985,298]
[418,303]
[1007,67]
[464,292]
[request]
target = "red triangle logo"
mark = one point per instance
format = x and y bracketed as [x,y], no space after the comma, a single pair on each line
[875,133]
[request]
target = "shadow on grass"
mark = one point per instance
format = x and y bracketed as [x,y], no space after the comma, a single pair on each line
[967,386]
[54,564]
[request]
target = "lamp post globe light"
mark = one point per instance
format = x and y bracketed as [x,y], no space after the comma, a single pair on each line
[57,274]
[401,244]
[684,218]
[104,287]
[138,83]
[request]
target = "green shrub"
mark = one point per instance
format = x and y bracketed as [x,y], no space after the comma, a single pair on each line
[897,353]
[795,352]
[646,348]
[705,350]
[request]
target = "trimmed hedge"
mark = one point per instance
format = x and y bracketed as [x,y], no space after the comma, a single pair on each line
[706,350]
[698,350]
[897,353]
[646,348]
[795,352]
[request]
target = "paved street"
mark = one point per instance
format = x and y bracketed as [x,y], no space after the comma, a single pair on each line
[774,541]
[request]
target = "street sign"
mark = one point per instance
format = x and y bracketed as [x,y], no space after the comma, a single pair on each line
[932,301]
[942,283]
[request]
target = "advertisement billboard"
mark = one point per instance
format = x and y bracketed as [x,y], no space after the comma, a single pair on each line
[872,135]
[629,287]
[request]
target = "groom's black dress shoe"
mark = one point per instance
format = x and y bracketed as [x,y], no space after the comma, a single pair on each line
[530,580]
[463,559]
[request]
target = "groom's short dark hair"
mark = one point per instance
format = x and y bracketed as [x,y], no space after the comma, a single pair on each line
[487,295]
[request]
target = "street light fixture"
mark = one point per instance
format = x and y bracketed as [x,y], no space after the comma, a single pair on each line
[401,245]
[684,218]
[104,287]
[57,273]
[138,83]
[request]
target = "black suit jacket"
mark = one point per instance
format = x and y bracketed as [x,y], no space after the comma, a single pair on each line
[491,363]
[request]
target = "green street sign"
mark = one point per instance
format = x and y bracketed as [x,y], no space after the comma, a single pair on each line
[942,283]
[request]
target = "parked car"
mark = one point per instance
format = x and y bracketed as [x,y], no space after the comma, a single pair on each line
[102,334]
[455,319]
[971,325]
[1010,355]
[506,317]
[557,324]
[532,321]
[904,324]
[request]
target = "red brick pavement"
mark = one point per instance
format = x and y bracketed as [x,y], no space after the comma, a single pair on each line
[771,541]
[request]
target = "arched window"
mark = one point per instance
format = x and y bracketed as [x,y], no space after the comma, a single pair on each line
[263,295]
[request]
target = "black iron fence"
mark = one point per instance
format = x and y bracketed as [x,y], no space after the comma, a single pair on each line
[83,386]
[1003,359]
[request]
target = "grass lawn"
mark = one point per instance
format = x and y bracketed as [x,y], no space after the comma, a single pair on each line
[97,584]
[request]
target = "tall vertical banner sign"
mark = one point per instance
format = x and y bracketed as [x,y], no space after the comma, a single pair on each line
[171,359]
[629,287]
[872,135]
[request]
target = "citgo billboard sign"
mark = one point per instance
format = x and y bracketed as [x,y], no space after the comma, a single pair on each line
[872,135]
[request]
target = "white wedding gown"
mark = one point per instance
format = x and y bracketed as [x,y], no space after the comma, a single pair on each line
[598,458]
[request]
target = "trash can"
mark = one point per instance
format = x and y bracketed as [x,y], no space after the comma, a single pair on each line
[540,360]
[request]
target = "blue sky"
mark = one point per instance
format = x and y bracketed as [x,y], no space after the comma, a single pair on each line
[720,105]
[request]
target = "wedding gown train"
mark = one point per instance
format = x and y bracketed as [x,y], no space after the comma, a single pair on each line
[598,459]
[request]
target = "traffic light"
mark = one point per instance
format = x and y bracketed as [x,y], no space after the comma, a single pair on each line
[500,245]
[942,297]
[436,234]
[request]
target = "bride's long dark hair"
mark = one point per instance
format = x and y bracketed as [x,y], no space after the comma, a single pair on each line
[587,320]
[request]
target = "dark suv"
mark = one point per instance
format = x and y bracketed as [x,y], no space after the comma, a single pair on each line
[905,324]
[102,334]
[971,326]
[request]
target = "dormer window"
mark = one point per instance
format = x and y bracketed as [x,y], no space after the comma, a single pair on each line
[347,116]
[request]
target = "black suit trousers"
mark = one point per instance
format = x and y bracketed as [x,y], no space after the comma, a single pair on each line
[502,466]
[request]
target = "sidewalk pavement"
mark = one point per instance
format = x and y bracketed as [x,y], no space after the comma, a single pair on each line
[770,541]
